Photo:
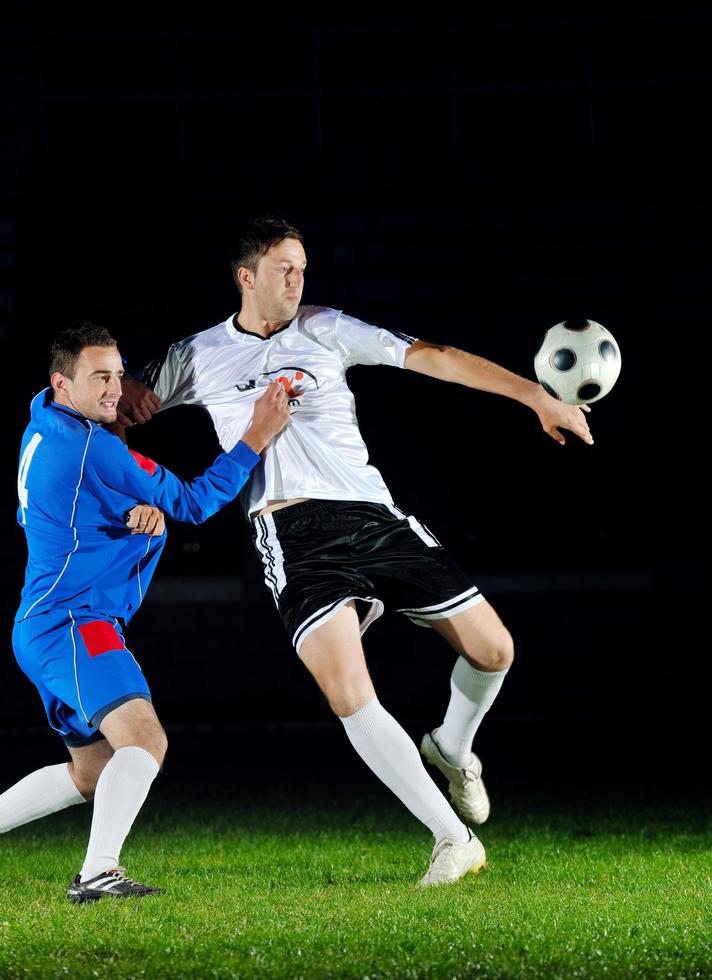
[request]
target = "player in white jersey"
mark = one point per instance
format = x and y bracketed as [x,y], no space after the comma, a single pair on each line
[335,549]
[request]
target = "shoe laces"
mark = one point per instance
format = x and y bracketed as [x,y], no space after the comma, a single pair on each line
[120,874]
[438,849]
[473,771]
[445,844]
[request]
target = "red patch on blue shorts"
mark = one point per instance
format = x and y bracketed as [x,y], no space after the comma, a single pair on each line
[99,637]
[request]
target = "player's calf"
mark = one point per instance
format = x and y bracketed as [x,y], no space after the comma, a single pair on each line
[87,765]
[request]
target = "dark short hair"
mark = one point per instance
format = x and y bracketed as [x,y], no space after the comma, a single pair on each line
[69,344]
[257,238]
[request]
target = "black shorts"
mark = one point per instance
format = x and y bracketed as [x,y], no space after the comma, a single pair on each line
[320,554]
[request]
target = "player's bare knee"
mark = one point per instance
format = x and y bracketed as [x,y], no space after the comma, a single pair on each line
[161,748]
[348,697]
[155,742]
[505,651]
[136,723]
[497,654]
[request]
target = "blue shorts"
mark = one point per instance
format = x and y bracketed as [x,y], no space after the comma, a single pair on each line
[80,665]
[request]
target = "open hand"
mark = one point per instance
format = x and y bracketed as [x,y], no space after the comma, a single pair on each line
[555,415]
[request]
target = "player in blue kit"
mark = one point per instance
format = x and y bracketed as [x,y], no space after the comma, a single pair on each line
[335,548]
[87,573]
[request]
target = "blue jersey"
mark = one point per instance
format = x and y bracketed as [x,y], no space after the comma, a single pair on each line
[76,483]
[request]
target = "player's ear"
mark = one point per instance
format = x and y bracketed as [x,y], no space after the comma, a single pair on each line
[245,277]
[58,381]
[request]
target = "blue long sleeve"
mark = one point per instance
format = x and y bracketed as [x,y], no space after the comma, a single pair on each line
[113,468]
[76,484]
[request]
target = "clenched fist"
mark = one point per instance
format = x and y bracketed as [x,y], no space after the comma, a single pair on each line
[270,416]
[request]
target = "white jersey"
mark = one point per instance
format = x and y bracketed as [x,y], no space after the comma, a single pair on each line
[320,453]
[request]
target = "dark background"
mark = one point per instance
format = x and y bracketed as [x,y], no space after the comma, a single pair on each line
[467,180]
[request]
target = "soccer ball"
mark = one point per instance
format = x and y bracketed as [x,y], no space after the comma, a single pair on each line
[578,362]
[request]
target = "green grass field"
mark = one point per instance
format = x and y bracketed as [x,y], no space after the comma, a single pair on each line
[279,887]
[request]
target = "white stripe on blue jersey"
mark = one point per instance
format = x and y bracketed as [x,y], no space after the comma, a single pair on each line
[76,484]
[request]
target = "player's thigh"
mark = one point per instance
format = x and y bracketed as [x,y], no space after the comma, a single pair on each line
[135,722]
[479,635]
[87,764]
[334,656]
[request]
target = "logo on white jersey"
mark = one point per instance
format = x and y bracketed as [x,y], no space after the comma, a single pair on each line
[294,380]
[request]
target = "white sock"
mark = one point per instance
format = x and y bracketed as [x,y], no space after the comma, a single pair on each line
[43,791]
[120,792]
[387,749]
[472,694]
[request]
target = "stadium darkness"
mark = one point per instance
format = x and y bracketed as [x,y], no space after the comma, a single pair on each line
[472,182]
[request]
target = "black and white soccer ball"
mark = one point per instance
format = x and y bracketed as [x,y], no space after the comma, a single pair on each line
[578,362]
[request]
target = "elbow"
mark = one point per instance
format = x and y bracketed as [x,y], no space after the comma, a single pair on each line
[199,515]
[427,358]
[428,348]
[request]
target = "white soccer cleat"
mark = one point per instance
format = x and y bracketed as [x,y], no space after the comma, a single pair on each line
[465,786]
[451,860]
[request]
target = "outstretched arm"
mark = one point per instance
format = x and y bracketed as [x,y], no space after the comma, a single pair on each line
[113,466]
[451,364]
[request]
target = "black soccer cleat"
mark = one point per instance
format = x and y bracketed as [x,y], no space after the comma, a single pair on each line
[113,882]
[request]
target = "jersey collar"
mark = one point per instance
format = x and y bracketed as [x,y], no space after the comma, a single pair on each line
[251,333]
[71,413]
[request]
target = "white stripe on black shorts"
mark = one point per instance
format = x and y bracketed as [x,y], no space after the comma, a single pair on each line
[319,554]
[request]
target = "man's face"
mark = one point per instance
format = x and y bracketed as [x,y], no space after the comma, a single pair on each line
[95,389]
[279,281]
